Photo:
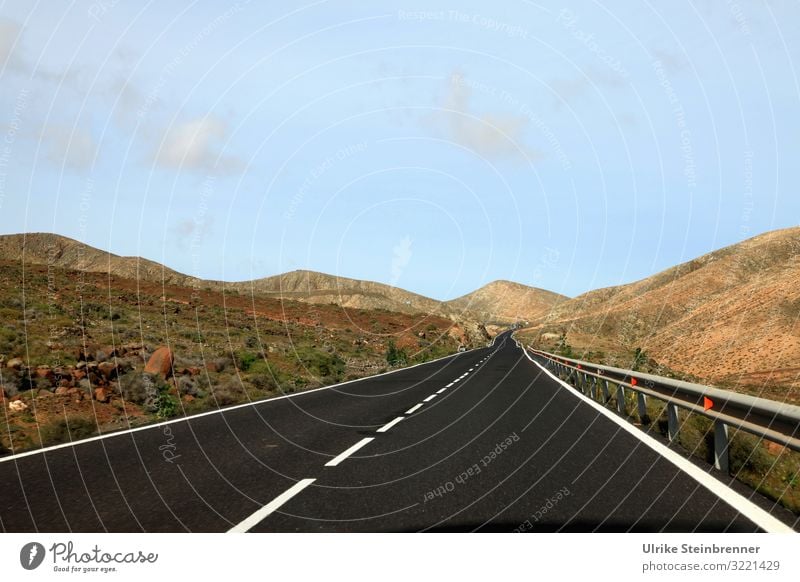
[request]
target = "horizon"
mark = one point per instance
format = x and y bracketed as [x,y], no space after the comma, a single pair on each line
[345,276]
[582,149]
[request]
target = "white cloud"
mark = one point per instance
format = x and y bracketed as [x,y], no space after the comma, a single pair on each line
[74,148]
[192,145]
[492,135]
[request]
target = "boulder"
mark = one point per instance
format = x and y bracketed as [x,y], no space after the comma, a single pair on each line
[15,364]
[17,406]
[108,370]
[43,372]
[102,394]
[160,362]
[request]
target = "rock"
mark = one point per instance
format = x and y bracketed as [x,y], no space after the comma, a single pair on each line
[44,394]
[44,372]
[15,364]
[102,395]
[78,375]
[17,406]
[84,355]
[188,398]
[64,383]
[160,362]
[108,370]
[80,365]
[63,390]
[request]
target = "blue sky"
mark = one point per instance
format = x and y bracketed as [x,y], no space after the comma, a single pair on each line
[436,146]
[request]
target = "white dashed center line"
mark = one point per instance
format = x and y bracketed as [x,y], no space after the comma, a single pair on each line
[413,409]
[442,390]
[429,398]
[270,507]
[350,451]
[389,425]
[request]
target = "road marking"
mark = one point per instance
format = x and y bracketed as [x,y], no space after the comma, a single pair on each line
[413,409]
[442,390]
[389,425]
[270,507]
[450,385]
[739,502]
[350,451]
[429,398]
[9,458]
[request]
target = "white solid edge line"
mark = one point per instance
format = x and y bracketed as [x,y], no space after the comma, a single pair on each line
[441,390]
[335,461]
[270,507]
[202,414]
[740,503]
[389,425]
[413,409]
[429,398]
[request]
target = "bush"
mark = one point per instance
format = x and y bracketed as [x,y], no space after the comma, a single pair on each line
[66,430]
[228,391]
[245,359]
[139,388]
[396,356]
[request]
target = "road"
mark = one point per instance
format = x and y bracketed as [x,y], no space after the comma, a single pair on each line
[480,441]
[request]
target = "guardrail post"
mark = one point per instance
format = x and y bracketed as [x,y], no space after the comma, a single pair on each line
[641,400]
[606,395]
[721,446]
[593,388]
[621,399]
[673,422]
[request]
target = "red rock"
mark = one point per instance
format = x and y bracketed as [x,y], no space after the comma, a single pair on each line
[212,367]
[102,395]
[64,383]
[78,375]
[188,398]
[62,390]
[108,370]
[160,362]
[44,372]
[194,371]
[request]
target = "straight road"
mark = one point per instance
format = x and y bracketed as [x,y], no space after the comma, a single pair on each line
[480,441]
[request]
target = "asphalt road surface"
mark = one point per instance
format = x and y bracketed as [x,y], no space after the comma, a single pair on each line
[483,440]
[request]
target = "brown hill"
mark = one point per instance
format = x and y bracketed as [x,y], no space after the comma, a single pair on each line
[731,316]
[62,252]
[306,286]
[312,287]
[508,302]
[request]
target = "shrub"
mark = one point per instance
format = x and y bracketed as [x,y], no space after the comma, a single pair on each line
[228,391]
[66,430]
[396,356]
[139,388]
[245,359]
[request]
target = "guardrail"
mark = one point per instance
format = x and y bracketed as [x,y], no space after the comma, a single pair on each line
[764,418]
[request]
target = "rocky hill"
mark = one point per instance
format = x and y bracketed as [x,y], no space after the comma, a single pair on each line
[312,287]
[731,316]
[63,252]
[305,286]
[508,302]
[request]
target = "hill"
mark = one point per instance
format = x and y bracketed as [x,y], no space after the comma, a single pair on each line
[731,316]
[508,302]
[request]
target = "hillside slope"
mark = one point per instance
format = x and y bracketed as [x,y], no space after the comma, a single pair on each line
[731,316]
[508,302]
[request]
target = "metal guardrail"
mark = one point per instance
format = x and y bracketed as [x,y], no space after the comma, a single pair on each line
[764,418]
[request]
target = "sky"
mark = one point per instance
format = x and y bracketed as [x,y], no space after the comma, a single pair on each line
[435,146]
